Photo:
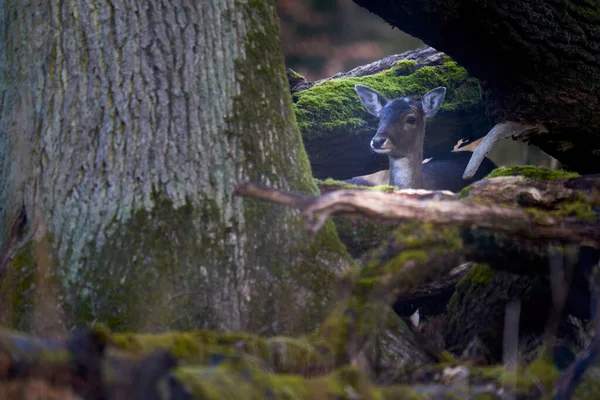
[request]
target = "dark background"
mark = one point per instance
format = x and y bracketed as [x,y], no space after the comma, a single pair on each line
[323,37]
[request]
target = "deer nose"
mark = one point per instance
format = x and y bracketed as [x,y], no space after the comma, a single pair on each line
[377,143]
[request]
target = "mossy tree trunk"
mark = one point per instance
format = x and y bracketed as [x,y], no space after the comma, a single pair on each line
[537,61]
[125,128]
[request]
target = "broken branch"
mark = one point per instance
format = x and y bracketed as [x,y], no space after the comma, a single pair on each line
[502,130]
[398,207]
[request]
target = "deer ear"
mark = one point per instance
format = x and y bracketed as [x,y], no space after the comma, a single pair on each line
[371,99]
[433,100]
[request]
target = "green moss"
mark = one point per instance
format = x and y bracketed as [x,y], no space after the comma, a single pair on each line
[530,171]
[586,10]
[279,354]
[465,191]
[333,105]
[577,206]
[236,380]
[538,376]
[447,358]
[335,183]
[341,185]
[579,209]
[18,288]
[477,279]
[360,236]
[540,373]
[333,333]
[403,258]
[115,285]
[194,346]
[298,355]
[480,274]
[294,74]
[415,253]
[589,386]
[384,188]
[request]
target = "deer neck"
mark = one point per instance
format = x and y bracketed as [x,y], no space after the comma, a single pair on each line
[407,172]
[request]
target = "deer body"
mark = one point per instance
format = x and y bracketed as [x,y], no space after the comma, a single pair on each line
[401,135]
[438,174]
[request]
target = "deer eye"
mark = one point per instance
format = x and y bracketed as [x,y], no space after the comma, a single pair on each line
[411,120]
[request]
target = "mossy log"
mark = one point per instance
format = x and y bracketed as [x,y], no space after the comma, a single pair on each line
[362,235]
[537,210]
[89,367]
[519,250]
[538,61]
[336,128]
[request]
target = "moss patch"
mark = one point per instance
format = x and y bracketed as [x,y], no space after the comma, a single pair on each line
[538,376]
[530,171]
[480,274]
[237,380]
[415,253]
[576,208]
[333,105]
[360,236]
[280,354]
[118,281]
[17,289]
[331,183]
[465,191]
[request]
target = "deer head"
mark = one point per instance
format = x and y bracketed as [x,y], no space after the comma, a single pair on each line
[401,121]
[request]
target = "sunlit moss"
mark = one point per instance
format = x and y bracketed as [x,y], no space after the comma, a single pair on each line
[280,354]
[534,172]
[333,104]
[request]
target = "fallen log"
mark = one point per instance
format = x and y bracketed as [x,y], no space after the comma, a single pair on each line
[571,220]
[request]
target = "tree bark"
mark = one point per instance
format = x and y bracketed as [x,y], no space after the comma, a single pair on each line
[125,127]
[537,62]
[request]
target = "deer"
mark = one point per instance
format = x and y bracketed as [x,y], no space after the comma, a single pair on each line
[400,136]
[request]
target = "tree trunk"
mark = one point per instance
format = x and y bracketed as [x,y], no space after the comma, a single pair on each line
[125,127]
[537,62]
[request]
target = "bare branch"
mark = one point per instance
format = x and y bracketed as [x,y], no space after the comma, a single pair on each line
[500,131]
[398,206]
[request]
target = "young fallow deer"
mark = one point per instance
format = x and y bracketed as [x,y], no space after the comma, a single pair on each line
[400,136]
